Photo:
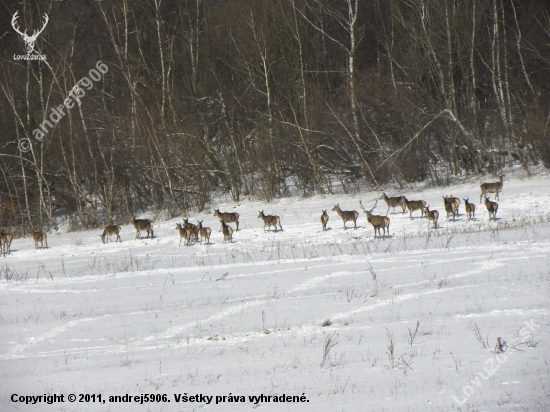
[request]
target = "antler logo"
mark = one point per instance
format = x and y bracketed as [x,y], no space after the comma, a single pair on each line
[30,40]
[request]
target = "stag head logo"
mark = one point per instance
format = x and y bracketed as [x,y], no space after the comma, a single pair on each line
[30,40]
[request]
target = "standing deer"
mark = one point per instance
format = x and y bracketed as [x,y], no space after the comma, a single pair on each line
[204,232]
[492,208]
[142,224]
[456,200]
[431,215]
[228,217]
[40,237]
[193,229]
[227,231]
[470,208]
[347,216]
[377,222]
[184,233]
[413,205]
[450,207]
[111,230]
[393,202]
[495,187]
[5,243]
[270,220]
[324,220]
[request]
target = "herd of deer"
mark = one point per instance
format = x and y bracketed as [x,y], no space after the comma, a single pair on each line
[381,224]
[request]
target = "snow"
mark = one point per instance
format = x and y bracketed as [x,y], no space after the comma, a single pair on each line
[246,318]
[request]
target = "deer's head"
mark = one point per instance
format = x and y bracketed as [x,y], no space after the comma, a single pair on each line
[30,40]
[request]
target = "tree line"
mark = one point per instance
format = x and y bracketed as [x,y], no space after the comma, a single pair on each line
[240,98]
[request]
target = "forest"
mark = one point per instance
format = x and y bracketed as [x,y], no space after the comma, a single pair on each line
[178,102]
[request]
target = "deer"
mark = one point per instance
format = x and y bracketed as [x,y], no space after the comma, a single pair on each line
[192,228]
[110,230]
[142,224]
[39,237]
[228,217]
[413,205]
[227,231]
[393,202]
[495,187]
[431,215]
[30,40]
[492,208]
[324,220]
[450,207]
[270,220]
[377,222]
[184,233]
[455,200]
[5,243]
[470,208]
[204,232]
[347,216]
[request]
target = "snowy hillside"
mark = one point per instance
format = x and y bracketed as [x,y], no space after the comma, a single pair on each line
[351,323]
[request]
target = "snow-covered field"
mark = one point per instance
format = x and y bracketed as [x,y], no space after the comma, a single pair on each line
[328,315]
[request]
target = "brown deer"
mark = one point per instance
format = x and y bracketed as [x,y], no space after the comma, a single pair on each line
[204,232]
[111,230]
[495,187]
[456,200]
[227,217]
[5,243]
[470,208]
[227,231]
[142,224]
[413,205]
[377,222]
[324,220]
[184,234]
[393,202]
[492,208]
[39,237]
[193,229]
[450,208]
[347,216]
[431,215]
[270,220]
